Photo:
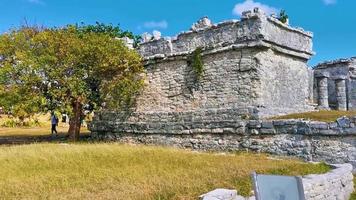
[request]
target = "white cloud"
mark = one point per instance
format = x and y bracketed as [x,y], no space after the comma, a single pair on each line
[250,5]
[156,24]
[329,2]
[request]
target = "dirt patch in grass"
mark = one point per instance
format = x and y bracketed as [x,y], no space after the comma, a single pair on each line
[107,171]
[323,116]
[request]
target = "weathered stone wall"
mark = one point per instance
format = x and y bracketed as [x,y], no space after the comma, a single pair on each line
[335,185]
[313,141]
[282,90]
[230,80]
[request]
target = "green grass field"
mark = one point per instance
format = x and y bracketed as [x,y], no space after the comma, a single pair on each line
[112,171]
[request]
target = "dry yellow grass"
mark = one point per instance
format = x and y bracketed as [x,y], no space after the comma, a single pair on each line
[323,116]
[112,171]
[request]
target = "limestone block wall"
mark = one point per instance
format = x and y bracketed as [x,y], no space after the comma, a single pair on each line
[230,80]
[233,78]
[286,84]
[312,141]
[335,185]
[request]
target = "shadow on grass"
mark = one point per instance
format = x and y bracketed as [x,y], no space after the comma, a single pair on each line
[29,139]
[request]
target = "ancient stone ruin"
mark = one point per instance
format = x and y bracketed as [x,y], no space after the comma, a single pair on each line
[336,84]
[252,69]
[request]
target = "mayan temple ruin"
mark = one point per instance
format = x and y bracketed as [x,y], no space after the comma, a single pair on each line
[253,69]
[336,81]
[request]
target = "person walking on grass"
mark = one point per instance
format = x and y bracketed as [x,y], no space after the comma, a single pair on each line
[54,123]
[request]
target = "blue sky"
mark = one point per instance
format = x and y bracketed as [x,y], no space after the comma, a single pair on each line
[332,21]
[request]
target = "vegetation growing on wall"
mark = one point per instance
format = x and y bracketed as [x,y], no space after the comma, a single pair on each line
[196,62]
[283,17]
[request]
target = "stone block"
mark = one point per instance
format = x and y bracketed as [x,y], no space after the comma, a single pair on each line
[229,130]
[266,131]
[343,122]
[333,125]
[319,125]
[279,123]
[321,74]
[267,124]
[350,131]
[220,194]
[254,124]
[291,122]
[328,132]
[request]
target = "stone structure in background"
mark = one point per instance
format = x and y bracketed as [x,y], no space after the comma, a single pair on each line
[253,68]
[339,93]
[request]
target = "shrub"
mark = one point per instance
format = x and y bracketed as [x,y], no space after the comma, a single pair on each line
[196,62]
[12,122]
[283,17]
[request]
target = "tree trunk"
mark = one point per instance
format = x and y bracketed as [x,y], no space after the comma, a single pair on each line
[75,121]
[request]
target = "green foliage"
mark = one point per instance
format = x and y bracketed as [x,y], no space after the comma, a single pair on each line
[283,17]
[10,123]
[196,62]
[121,92]
[109,29]
[16,122]
[51,69]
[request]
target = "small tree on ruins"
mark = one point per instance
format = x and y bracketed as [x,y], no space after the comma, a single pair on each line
[71,70]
